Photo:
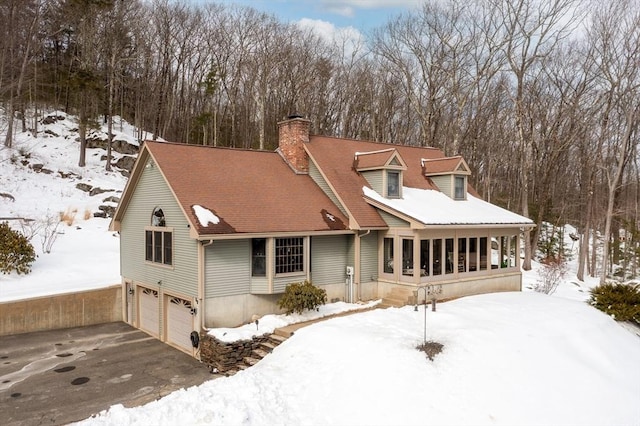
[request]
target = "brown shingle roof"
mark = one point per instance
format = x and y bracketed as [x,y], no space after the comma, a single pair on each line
[441,165]
[372,159]
[335,156]
[249,191]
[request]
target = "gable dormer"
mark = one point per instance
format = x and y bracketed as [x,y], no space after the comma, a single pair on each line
[383,169]
[449,174]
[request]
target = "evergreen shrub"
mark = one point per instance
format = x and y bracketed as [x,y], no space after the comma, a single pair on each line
[16,252]
[620,301]
[299,297]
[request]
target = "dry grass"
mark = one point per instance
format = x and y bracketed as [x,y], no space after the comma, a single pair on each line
[87,214]
[430,348]
[68,216]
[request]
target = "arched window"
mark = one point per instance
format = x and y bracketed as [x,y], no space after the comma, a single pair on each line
[157,218]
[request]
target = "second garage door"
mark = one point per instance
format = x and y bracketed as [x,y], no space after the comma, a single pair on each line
[179,323]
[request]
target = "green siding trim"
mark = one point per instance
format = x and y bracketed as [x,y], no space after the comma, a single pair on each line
[369,257]
[227,268]
[393,221]
[315,174]
[376,180]
[328,259]
[182,277]
[445,184]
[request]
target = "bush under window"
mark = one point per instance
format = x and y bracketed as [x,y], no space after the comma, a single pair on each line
[299,297]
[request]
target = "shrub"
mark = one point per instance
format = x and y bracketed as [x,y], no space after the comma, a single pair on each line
[621,301]
[16,252]
[299,297]
[552,272]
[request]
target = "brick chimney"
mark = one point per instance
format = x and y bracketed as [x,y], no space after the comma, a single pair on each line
[293,133]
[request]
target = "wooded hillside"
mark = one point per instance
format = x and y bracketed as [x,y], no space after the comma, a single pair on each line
[541,97]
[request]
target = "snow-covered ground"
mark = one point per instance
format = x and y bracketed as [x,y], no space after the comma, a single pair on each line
[84,254]
[508,359]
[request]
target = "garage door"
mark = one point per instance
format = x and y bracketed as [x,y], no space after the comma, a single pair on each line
[179,323]
[149,311]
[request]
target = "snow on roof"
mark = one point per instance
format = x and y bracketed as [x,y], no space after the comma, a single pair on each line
[205,216]
[435,208]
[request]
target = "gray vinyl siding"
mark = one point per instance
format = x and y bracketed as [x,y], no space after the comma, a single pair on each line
[227,268]
[260,285]
[445,184]
[182,277]
[319,180]
[376,180]
[393,221]
[328,259]
[280,282]
[369,257]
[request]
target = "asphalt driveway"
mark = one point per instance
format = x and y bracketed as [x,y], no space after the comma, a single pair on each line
[62,376]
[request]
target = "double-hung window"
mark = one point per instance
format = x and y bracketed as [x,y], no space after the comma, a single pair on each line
[393,184]
[459,188]
[158,240]
[159,246]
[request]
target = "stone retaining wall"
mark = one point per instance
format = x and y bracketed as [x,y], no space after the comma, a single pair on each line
[226,356]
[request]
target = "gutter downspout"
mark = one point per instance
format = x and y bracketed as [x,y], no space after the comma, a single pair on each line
[357,264]
[201,295]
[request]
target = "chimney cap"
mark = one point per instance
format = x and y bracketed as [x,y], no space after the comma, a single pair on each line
[294,115]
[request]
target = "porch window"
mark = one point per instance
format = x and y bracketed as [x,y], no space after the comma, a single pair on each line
[462,255]
[473,254]
[259,257]
[504,247]
[425,257]
[437,257]
[289,255]
[483,253]
[388,256]
[513,245]
[407,257]
[449,253]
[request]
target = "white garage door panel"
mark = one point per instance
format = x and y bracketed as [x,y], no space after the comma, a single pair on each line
[179,323]
[149,311]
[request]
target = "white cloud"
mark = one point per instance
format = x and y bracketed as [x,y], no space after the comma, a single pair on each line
[349,39]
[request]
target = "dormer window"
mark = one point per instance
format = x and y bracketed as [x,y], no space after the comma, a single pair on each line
[393,184]
[382,169]
[459,188]
[449,174]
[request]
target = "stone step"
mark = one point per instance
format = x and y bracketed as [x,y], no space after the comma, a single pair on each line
[250,361]
[283,333]
[276,339]
[259,353]
[268,346]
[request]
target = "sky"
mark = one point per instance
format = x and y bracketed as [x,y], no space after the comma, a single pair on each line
[516,358]
[361,15]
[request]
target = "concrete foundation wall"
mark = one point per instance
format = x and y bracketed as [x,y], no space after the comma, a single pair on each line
[61,311]
[233,311]
[508,281]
